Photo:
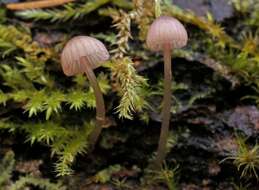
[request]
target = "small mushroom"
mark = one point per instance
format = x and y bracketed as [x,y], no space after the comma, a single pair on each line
[165,34]
[82,54]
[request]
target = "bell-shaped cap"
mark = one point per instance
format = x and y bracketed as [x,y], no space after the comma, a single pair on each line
[80,47]
[166,31]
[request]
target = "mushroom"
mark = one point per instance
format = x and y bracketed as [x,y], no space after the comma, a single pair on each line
[83,54]
[165,34]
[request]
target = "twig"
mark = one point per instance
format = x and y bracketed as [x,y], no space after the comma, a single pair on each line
[37,4]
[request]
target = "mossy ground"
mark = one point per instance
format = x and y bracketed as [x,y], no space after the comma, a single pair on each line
[46,117]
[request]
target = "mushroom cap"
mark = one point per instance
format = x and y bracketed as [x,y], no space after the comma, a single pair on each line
[166,31]
[78,47]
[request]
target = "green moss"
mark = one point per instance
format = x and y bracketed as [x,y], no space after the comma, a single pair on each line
[6,182]
[58,111]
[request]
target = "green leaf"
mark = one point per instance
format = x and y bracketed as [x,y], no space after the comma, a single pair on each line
[6,167]
[90,99]
[3,98]
[76,99]
[103,83]
[36,103]
[105,175]
[53,103]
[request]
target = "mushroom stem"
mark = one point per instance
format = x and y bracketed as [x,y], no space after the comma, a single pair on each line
[161,152]
[100,106]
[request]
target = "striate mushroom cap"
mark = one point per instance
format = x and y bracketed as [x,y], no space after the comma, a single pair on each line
[166,31]
[78,47]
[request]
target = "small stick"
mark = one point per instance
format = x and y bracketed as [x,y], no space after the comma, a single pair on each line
[37,4]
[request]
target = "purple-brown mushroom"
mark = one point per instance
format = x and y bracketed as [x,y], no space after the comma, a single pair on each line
[83,54]
[165,34]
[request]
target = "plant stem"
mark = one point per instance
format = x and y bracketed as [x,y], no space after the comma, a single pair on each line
[36,5]
[100,107]
[161,151]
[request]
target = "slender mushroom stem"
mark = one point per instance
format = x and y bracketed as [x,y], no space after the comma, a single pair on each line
[100,106]
[161,152]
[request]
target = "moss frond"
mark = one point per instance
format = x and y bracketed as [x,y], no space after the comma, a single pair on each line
[6,168]
[69,146]
[36,182]
[7,165]
[70,11]
[13,38]
[246,159]
[129,86]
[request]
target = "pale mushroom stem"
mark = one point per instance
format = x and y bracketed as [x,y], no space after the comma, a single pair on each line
[161,152]
[100,106]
